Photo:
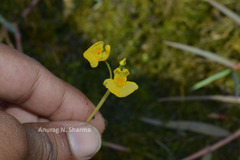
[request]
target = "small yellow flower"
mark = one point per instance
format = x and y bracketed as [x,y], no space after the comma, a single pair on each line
[95,53]
[119,85]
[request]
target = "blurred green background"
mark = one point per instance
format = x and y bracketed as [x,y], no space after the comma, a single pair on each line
[56,33]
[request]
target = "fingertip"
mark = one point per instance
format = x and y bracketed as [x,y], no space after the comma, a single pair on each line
[86,143]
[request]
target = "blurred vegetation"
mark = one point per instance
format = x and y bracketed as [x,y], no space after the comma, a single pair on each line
[56,33]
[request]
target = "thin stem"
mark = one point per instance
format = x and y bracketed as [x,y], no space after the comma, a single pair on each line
[109,69]
[98,106]
[104,96]
[214,147]
[29,8]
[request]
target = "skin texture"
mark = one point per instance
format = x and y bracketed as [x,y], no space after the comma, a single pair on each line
[31,95]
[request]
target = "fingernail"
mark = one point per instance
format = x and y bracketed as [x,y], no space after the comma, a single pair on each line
[84,141]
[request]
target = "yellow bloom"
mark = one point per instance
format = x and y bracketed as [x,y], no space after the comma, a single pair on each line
[119,85]
[95,53]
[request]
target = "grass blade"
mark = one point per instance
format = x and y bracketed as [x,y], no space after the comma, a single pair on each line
[219,98]
[235,80]
[206,54]
[163,146]
[115,146]
[226,11]
[211,79]
[8,25]
[198,127]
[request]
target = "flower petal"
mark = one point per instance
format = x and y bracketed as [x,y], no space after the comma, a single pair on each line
[94,47]
[112,86]
[123,91]
[106,53]
[121,73]
[90,53]
[92,60]
[128,88]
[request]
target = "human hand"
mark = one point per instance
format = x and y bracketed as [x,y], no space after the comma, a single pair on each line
[38,110]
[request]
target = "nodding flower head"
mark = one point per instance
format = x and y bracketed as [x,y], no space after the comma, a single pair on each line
[96,53]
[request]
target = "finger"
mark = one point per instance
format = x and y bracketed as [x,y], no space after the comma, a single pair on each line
[25,82]
[47,140]
[22,115]
[12,132]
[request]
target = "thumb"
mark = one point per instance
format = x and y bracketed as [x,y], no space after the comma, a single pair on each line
[63,140]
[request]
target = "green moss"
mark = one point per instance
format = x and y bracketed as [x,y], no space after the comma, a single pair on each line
[136,30]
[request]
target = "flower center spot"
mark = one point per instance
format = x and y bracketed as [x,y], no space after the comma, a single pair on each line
[97,53]
[120,81]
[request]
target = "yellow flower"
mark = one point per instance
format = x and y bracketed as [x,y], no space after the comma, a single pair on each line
[95,53]
[119,85]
